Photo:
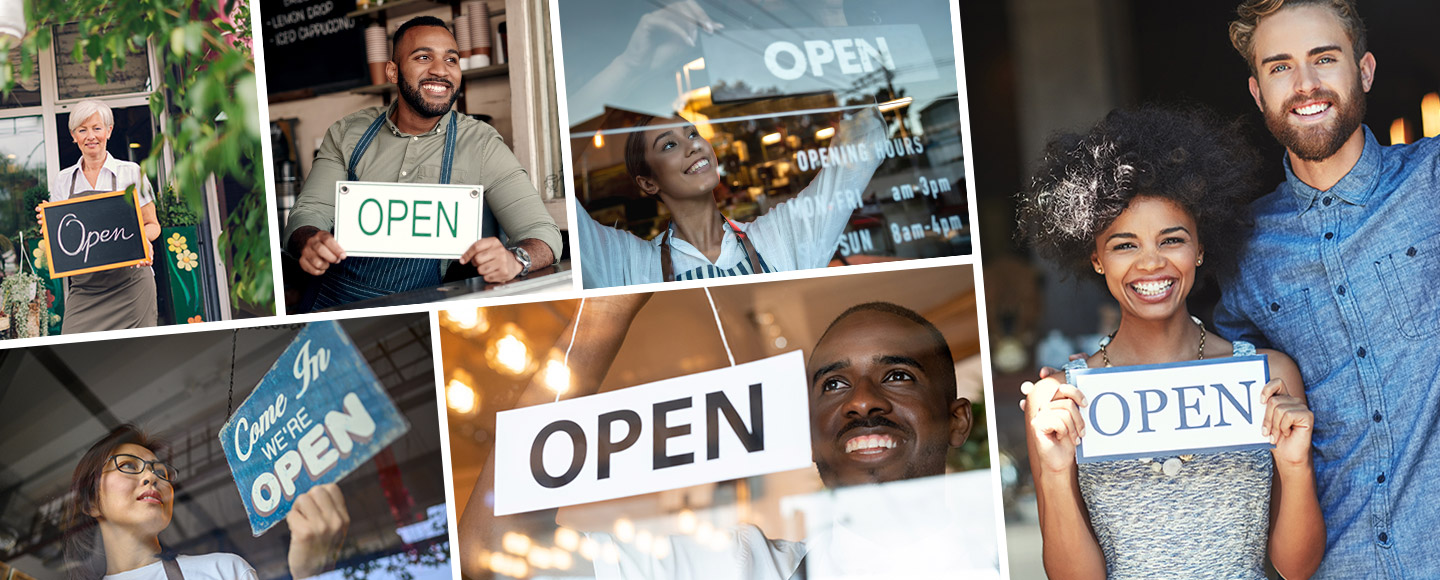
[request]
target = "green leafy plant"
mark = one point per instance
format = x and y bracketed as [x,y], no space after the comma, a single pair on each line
[174,210]
[203,49]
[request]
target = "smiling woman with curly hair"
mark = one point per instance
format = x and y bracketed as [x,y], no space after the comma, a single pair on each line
[1144,200]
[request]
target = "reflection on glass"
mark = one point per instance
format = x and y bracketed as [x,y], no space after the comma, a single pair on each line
[767,83]
[75,81]
[24,184]
[27,91]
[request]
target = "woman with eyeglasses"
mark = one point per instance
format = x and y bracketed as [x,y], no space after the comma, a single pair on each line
[123,496]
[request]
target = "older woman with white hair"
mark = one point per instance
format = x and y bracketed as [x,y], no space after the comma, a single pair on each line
[110,299]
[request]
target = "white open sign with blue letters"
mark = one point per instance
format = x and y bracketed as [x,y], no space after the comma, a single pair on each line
[1200,406]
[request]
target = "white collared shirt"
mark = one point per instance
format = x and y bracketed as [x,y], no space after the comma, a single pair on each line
[115,175]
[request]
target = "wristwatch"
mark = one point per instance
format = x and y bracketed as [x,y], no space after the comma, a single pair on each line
[523,257]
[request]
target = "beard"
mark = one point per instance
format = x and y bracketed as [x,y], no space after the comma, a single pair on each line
[1320,142]
[416,100]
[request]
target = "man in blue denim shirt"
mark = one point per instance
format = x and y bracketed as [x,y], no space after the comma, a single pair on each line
[1339,276]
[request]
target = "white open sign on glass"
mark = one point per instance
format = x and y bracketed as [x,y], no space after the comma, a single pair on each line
[1201,406]
[740,421]
[407,220]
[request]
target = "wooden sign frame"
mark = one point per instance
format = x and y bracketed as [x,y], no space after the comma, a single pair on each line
[50,251]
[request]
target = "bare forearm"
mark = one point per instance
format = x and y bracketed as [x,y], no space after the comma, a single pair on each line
[603,324]
[540,254]
[1297,531]
[1068,548]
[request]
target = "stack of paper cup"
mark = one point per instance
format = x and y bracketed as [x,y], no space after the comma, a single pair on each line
[479,15]
[463,36]
[377,52]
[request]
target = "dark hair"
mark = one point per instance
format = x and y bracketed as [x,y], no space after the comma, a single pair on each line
[635,163]
[1251,12]
[942,348]
[84,549]
[1183,155]
[412,23]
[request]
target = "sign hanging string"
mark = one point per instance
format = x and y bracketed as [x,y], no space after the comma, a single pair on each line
[719,326]
[575,331]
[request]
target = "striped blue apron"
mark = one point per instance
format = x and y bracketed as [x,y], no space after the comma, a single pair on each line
[360,278]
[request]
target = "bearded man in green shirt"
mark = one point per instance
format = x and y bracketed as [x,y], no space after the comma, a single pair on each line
[418,139]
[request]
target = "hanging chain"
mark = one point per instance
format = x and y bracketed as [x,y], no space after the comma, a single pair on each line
[230,399]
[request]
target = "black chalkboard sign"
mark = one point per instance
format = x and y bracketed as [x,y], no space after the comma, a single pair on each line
[311,44]
[93,233]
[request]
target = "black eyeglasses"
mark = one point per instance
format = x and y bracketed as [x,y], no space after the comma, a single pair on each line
[133,465]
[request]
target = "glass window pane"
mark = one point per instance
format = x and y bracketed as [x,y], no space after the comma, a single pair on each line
[769,87]
[75,81]
[22,172]
[27,92]
[130,141]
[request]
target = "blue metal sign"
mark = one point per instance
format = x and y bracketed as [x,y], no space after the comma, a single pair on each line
[317,415]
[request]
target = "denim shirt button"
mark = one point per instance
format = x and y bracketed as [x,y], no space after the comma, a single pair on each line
[1274,306]
[1410,252]
[1327,200]
[1329,235]
[1383,537]
[1380,479]
[1340,289]
[1376,417]
[1361,352]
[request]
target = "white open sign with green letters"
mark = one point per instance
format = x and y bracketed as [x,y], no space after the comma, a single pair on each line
[407,220]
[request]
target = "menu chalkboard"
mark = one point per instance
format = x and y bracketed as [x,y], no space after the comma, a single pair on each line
[311,44]
[94,233]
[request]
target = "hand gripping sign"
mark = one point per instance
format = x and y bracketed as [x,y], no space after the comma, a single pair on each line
[316,416]
[1203,406]
[739,421]
[407,220]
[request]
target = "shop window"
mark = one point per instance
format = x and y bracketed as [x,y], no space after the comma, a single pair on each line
[131,140]
[27,91]
[769,88]
[22,174]
[75,81]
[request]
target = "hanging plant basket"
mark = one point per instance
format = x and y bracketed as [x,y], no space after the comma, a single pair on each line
[26,305]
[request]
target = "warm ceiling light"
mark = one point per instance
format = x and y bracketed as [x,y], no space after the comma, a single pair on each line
[697,64]
[556,376]
[466,320]
[825,133]
[1397,132]
[460,397]
[770,139]
[567,538]
[895,104]
[624,529]
[515,543]
[508,353]
[1430,114]
[599,140]
[134,145]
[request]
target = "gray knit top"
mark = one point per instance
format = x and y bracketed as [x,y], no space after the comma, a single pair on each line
[1210,519]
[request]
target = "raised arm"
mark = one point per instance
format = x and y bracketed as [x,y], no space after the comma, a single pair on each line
[1055,426]
[603,324]
[813,222]
[1297,526]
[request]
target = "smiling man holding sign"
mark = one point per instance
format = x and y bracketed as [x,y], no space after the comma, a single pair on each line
[400,233]
[1162,467]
